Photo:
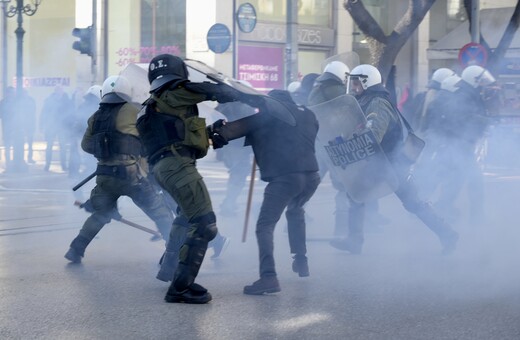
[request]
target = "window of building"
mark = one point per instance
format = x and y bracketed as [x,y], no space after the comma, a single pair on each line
[310,12]
[163,28]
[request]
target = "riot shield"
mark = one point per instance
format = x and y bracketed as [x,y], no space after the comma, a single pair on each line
[137,74]
[351,151]
[199,72]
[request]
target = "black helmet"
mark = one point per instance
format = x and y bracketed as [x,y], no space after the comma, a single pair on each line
[164,69]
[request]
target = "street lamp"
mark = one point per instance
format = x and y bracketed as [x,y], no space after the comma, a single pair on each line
[19,10]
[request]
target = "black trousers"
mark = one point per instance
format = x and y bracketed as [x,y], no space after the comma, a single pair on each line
[290,191]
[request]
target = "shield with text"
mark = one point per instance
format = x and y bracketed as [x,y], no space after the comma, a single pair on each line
[351,152]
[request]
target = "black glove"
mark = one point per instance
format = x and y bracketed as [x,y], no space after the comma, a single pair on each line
[217,140]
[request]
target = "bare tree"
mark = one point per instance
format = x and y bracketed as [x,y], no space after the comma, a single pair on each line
[496,56]
[385,48]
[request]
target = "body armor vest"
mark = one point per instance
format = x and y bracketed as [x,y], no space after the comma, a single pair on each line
[108,142]
[159,130]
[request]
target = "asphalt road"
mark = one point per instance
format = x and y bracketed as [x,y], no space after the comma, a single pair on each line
[401,287]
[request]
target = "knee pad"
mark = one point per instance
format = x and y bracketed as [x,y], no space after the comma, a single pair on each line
[206,226]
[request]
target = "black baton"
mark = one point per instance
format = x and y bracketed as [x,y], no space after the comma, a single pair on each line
[80,184]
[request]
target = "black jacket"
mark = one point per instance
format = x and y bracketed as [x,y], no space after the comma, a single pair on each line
[279,148]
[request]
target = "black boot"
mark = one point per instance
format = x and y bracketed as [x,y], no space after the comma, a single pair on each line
[77,249]
[300,265]
[194,294]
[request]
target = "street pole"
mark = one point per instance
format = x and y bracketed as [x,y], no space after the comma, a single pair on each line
[234,44]
[475,21]
[93,64]
[4,50]
[291,49]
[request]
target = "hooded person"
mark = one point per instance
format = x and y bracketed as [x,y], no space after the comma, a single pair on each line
[285,156]
[174,137]
[384,120]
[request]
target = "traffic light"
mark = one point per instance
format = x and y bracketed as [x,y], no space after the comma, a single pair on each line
[85,44]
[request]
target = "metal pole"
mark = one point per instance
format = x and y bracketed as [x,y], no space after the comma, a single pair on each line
[475,21]
[105,39]
[234,30]
[19,47]
[93,41]
[291,49]
[4,49]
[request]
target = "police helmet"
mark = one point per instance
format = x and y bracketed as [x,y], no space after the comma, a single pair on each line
[116,89]
[335,69]
[450,83]
[295,85]
[368,75]
[438,76]
[164,69]
[477,76]
[94,90]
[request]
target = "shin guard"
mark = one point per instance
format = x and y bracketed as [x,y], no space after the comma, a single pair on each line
[192,252]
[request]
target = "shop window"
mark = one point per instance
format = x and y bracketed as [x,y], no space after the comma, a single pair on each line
[163,28]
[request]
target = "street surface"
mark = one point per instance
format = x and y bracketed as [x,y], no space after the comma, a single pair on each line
[401,287]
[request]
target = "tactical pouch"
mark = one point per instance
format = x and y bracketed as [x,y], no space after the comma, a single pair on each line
[195,137]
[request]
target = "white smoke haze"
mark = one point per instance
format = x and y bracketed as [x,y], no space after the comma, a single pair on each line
[399,285]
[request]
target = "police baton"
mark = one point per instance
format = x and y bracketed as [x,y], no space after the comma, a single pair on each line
[116,216]
[82,183]
[249,199]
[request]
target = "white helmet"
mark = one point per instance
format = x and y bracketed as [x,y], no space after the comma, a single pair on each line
[295,85]
[450,83]
[116,89]
[477,76]
[438,76]
[94,90]
[338,69]
[367,74]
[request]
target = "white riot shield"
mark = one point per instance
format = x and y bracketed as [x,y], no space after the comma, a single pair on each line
[351,151]
[137,74]
[199,72]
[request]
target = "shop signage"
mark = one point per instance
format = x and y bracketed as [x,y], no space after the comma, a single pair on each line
[262,67]
[246,17]
[219,38]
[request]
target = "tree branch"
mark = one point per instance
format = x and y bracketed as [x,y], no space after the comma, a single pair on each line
[364,20]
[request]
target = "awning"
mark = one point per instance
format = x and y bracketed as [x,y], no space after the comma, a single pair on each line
[493,24]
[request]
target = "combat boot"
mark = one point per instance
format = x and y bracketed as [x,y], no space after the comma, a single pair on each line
[194,294]
[73,256]
[267,284]
[77,249]
[300,265]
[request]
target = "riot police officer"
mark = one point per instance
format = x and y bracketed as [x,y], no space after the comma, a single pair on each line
[385,122]
[111,136]
[175,136]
